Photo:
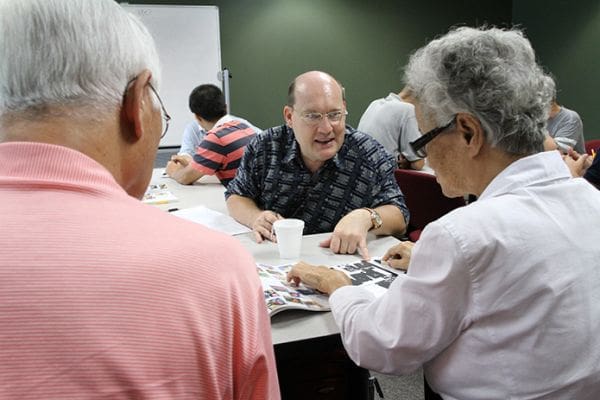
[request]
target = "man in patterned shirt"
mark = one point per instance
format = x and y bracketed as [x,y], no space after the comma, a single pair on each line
[317,169]
[220,151]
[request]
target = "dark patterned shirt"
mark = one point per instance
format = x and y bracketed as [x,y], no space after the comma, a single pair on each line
[273,174]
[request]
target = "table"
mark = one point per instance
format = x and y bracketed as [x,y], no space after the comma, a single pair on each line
[206,191]
[288,326]
[311,360]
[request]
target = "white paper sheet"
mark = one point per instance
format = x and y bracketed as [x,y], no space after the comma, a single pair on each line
[212,219]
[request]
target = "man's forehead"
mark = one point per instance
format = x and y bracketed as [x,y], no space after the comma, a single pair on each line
[319,92]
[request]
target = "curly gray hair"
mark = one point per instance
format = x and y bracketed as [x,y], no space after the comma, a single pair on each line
[490,73]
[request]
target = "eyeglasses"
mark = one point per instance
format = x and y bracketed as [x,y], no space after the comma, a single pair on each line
[418,146]
[315,118]
[165,115]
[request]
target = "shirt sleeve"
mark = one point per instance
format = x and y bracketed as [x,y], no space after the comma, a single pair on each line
[410,132]
[570,134]
[261,380]
[245,181]
[420,315]
[210,155]
[388,191]
[192,136]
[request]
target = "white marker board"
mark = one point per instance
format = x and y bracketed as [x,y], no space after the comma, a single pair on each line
[189,47]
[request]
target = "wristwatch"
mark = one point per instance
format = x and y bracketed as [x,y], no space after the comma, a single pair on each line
[376,220]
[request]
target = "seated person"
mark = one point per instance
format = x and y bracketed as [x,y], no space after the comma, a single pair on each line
[566,128]
[584,165]
[220,151]
[193,134]
[98,297]
[319,170]
[391,121]
[493,289]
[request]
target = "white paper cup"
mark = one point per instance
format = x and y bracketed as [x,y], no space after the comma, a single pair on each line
[289,237]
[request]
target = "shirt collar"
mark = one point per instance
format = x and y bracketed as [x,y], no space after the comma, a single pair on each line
[536,170]
[293,151]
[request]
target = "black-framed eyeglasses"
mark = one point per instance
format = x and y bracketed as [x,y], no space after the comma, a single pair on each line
[418,146]
[165,115]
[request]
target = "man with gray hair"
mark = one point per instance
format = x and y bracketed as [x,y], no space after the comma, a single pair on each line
[501,297]
[97,298]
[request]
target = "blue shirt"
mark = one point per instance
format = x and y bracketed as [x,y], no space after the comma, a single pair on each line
[273,174]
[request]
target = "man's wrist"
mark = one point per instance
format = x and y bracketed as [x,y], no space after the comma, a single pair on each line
[375,218]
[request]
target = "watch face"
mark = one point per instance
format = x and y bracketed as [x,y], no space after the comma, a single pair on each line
[377,222]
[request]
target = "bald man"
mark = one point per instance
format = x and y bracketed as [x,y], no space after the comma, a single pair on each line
[317,169]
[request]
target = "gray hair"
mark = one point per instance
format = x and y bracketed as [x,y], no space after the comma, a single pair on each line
[491,74]
[75,53]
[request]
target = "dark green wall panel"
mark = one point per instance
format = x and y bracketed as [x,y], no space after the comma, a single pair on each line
[365,44]
[566,36]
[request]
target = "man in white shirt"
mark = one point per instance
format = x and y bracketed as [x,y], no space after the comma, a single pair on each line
[391,121]
[501,297]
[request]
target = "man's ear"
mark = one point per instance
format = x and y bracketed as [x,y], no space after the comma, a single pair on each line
[287,115]
[134,105]
[472,132]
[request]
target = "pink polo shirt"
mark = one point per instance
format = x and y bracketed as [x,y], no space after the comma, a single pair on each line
[104,297]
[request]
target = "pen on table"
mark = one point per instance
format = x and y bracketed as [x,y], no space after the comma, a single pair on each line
[173,209]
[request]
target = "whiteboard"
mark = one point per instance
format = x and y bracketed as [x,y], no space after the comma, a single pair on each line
[188,43]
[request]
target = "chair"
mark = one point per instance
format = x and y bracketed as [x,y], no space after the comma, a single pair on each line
[593,144]
[424,199]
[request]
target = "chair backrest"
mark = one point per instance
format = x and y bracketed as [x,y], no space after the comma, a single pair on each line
[424,199]
[593,144]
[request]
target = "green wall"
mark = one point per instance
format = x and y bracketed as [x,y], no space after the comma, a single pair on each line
[364,44]
[566,37]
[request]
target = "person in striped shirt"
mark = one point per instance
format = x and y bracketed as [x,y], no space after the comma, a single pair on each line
[220,151]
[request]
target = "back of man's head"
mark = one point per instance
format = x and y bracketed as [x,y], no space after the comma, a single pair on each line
[69,54]
[207,101]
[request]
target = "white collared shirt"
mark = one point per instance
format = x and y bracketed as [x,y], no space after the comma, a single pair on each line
[502,297]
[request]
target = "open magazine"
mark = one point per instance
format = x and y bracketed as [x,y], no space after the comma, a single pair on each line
[282,295]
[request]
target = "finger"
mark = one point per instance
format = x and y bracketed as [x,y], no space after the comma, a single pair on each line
[257,236]
[398,263]
[363,250]
[334,245]
[326,242]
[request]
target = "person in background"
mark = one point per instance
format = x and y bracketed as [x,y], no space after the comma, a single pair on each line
[493,288]
[221,149]
[565,127]
[584,165]
[98,296]
[391,121]
[317,169]
[193,134]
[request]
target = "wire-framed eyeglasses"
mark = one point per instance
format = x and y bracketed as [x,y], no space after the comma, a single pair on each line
[418,146]
[315,118]
[165,115]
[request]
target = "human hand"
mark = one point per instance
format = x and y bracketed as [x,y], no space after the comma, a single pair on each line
[350,234]
[577,163]
[398,256]
[322,278]
[263,225]
[177,162]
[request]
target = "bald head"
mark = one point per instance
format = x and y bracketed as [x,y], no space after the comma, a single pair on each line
[308,81]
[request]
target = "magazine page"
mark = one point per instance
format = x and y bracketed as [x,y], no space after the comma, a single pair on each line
[158,194]
[282,295]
